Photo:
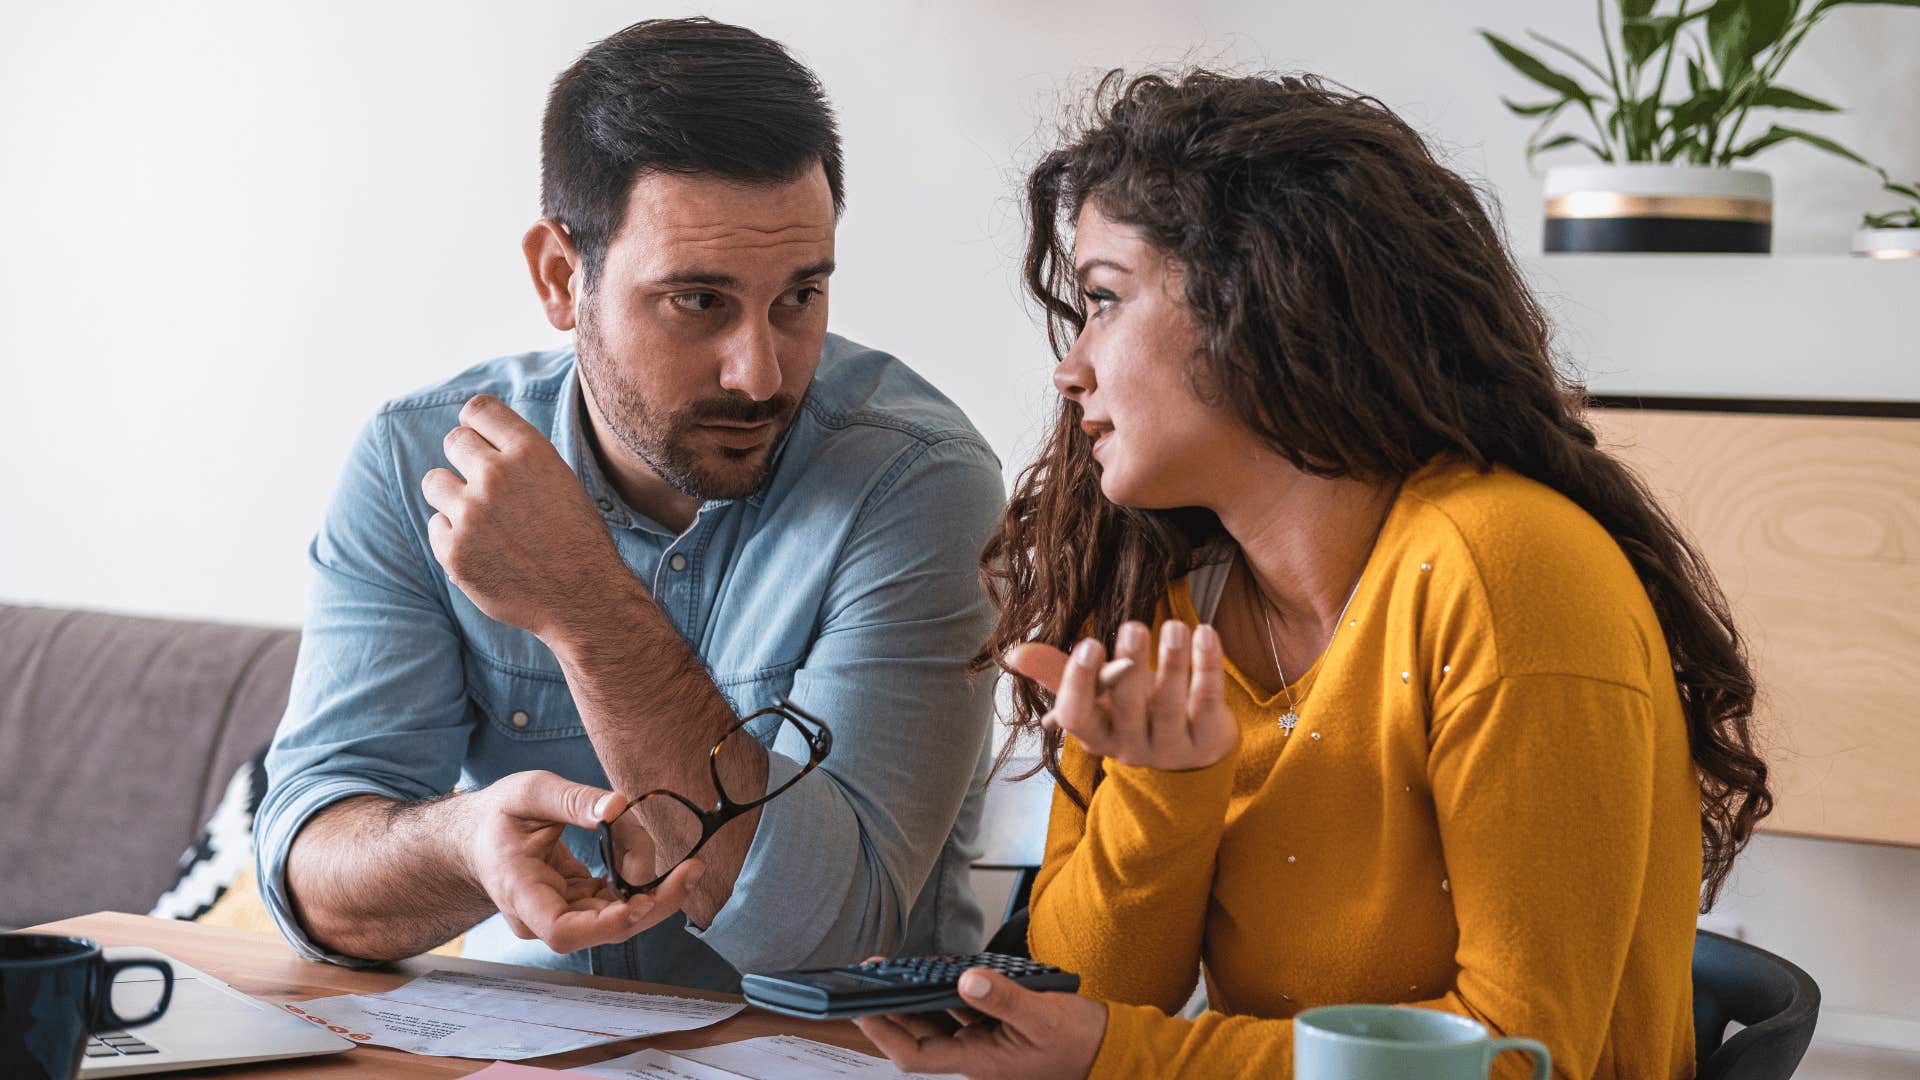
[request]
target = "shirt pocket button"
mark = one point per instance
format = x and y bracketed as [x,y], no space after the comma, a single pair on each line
[520,718]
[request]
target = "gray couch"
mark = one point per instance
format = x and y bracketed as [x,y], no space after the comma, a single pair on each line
[118,736]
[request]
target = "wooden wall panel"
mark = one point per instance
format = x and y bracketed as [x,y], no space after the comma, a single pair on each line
[1812,524]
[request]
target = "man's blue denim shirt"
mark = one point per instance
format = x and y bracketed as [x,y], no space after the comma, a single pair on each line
[849,581]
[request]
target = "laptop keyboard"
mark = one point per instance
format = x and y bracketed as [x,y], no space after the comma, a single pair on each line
[116,1043]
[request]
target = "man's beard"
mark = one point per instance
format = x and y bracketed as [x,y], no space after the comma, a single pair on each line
[665,440]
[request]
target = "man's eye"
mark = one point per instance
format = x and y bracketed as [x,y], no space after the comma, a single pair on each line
[802,296]
[696,301]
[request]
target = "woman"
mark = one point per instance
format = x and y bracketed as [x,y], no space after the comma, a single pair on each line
[1436,707]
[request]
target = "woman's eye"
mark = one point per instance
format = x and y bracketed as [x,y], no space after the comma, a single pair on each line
[698,301]
[1099,300]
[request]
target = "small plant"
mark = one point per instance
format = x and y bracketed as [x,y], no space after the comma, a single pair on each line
[1907,217]
[1730,66]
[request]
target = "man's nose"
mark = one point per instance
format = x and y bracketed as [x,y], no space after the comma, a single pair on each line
[752,363]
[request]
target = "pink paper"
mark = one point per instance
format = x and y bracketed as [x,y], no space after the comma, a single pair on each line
[507,1070]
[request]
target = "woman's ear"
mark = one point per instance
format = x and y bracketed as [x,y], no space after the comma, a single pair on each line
[556,269]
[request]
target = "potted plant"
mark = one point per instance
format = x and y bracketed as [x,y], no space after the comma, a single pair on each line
[1669,123]
[1896,233]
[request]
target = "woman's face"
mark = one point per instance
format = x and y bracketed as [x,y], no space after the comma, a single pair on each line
[1157,443]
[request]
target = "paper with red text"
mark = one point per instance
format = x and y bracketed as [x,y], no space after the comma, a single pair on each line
[461,1014]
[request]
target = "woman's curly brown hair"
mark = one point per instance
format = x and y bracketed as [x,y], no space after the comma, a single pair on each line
[1359,310]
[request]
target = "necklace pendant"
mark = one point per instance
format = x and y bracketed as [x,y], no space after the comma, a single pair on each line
[1288,720]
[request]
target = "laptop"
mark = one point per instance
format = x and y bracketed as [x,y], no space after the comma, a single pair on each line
[208,1023]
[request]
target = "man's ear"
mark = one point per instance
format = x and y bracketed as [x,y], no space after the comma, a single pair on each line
[556,269]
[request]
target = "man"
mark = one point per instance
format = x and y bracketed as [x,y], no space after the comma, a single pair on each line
[571,573]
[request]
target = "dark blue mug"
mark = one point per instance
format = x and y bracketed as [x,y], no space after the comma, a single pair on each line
[54,992]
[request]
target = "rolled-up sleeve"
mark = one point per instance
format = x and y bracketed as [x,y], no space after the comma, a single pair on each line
[378,702]
[839,859]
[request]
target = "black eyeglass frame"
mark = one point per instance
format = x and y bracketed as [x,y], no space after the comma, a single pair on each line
[819,745]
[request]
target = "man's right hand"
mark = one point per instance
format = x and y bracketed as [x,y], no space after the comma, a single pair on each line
[515,853]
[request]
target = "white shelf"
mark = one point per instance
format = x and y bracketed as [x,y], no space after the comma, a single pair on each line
[1833,327]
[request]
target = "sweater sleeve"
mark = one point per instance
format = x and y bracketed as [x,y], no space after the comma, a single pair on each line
[1544,789]
[1544,786]
[1122,893]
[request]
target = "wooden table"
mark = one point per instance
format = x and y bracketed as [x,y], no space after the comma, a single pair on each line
[260,964]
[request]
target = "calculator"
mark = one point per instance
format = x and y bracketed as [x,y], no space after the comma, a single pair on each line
[900,985]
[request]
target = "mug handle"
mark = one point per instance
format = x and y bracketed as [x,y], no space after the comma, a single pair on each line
[108,1020]
[1542,1061]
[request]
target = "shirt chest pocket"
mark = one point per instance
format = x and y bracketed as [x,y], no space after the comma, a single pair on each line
[752,690]
[523,704]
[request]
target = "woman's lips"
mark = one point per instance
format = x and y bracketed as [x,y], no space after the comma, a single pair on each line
[1101,441]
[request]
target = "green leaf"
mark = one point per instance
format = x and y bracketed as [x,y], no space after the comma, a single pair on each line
[1641,40]
[1696,78]
[1687,148]
[1729,25]
[1738,30]
[1892,219]
[1702,107]
[1530,66]
[1641,114]
[1545,108]
[1902,189]
[1779,134]
[1645,36]
[1564,50]
[1768,21]
[1825,4]
[1559,141]
[1779,97]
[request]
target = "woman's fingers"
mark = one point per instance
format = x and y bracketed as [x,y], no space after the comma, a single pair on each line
[1167,715]
[1075,708]
[1038,661]
[1211,727]
[1127,698]
[1168,702]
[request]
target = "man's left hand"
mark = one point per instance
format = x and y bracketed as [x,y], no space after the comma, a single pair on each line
[515,531]
[1019,1033]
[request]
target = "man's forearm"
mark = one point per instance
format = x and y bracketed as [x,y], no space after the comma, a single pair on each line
[379,879]
[652,714]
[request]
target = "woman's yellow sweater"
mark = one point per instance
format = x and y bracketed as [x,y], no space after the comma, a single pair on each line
[1488,807]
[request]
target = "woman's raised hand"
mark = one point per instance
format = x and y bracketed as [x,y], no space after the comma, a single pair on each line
[1170,717]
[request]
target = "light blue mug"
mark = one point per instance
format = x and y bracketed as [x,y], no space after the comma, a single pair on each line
[1392,1042]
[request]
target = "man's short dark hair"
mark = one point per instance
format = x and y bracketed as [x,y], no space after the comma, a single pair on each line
[681,96]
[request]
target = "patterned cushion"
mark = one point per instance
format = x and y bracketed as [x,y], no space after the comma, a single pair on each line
[225,848]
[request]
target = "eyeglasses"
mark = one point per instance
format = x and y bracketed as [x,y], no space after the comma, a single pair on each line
[679,828]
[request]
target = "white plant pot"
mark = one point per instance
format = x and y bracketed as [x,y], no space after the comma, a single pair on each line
[1887,243]
[1658,208]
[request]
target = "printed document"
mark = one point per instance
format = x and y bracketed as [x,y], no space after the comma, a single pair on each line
[459,1014]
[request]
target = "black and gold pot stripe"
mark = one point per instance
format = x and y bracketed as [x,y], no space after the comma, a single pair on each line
[1611,221]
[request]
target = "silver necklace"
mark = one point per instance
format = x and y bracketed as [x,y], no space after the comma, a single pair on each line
[1291,718]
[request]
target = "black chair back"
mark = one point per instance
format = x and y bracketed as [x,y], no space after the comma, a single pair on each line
[1734,982]
[1011,938]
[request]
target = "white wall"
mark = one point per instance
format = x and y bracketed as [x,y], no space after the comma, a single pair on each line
[234,228]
